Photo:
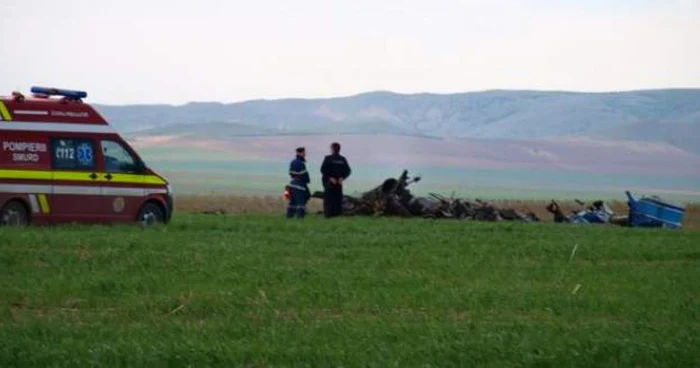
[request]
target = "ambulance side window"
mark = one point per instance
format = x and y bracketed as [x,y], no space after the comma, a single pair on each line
[117,158]
[73,154]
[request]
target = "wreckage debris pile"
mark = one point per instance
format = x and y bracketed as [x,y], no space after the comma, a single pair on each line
[597,213]
[643,212]
[393,198]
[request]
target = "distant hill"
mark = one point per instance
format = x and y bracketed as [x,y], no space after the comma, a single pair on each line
[661,116]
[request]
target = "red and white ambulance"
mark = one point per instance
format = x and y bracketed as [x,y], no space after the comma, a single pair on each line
[61,162]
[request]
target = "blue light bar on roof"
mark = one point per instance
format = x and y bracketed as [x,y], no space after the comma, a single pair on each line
[59,92]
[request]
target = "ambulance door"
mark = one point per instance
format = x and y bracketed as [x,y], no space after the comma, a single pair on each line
[123,185]
[75,191]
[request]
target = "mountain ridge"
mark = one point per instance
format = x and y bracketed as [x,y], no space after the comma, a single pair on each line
[652,115]
[389,92]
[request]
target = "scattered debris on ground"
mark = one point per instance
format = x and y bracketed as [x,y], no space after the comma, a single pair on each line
[645,212]
[393,198]
[596,213]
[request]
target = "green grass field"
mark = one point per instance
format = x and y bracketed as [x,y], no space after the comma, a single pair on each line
[263,291]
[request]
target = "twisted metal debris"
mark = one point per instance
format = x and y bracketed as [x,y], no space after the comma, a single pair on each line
[393,198]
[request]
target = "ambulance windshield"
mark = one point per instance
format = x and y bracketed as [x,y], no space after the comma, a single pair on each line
[117,158]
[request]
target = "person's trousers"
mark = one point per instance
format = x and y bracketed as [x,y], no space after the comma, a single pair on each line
[297,203]
[333,201]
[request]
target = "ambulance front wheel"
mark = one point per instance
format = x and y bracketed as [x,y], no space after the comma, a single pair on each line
[14,213]
[150,214]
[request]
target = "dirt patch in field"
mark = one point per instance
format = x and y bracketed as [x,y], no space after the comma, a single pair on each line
[224,204]
[234,204]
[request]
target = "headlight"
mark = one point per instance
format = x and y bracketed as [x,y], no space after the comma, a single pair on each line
[169,189]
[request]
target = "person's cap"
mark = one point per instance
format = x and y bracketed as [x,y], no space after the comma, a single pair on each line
[301,149]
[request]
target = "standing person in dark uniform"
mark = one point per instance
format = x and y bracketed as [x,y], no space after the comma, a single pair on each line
[299,185]
[335,170]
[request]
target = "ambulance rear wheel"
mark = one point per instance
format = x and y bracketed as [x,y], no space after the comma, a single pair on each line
[14,213]
[151,214]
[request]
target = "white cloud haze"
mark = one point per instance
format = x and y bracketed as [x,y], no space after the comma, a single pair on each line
[177,51]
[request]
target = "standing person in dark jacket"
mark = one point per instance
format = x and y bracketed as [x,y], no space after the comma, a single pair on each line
[298,186]
[335,170]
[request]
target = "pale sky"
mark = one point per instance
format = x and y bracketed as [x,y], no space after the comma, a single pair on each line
[167,51]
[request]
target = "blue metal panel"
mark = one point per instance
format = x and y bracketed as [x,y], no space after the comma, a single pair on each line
[655,212]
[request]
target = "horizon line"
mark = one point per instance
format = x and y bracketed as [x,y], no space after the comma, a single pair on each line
[389,92]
